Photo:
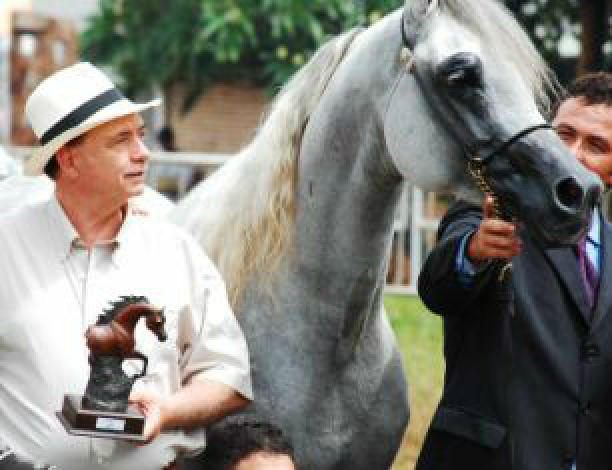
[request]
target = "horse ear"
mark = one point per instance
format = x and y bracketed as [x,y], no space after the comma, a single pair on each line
[416,13]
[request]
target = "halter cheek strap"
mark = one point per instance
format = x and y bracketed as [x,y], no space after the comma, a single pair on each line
[406,55]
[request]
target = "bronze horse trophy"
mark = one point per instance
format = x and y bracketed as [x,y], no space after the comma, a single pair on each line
[103,410]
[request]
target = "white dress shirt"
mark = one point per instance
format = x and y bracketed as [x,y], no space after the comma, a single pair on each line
[52,289]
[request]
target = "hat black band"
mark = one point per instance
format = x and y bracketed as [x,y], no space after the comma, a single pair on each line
[80,114]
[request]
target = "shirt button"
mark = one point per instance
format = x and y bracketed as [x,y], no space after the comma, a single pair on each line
[591,351]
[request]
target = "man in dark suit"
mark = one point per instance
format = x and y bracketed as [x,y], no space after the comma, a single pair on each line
[528,383]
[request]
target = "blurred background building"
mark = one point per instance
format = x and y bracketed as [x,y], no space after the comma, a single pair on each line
[37,37]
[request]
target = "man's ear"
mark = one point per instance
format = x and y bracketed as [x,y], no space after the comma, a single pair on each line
[65,157]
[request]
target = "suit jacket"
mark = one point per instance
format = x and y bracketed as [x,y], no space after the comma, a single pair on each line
[528,381]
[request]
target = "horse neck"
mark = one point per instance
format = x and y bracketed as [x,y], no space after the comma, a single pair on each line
[348,188]
[346,206]
[347,192]
[347,196]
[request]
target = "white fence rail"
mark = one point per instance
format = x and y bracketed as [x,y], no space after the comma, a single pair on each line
[414,225]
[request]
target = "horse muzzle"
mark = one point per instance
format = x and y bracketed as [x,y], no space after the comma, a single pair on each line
[549,190]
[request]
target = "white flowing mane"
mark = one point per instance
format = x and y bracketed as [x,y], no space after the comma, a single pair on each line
[243,214]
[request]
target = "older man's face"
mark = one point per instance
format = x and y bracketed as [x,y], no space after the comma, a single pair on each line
[587,131]
[112,159]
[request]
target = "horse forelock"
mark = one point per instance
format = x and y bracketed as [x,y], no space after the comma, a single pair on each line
[504,37]
[250,203]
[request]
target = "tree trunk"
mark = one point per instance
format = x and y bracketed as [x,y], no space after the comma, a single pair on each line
[594,18]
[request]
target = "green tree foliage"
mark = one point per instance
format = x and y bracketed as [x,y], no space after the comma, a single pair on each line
[547,22]
[199,42]
[552,24]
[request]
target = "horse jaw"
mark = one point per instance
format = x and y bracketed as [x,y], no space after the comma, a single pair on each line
[422,152]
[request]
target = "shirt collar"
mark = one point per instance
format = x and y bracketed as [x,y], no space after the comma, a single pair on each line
[123,237]
[63,231]
[66,236]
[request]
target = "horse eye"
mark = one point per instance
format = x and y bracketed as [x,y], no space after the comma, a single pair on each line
[461,70]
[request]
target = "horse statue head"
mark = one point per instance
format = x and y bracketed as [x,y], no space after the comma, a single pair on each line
[482,81]
[155,321]
[113,333]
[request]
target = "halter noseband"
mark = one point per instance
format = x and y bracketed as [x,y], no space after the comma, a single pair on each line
[508,143]
[477,164]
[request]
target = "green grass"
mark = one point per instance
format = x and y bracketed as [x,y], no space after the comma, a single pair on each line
[419,334]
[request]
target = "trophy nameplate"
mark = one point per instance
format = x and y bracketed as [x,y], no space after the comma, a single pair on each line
[80,421]
[104,411]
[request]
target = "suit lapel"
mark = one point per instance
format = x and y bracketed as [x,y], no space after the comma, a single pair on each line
[565,262]
[604,293]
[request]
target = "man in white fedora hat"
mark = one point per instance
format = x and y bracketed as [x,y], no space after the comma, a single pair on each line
[66,258]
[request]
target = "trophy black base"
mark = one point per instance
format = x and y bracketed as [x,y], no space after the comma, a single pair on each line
[95,423]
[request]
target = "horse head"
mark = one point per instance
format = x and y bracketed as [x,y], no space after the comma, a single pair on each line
[485,86]
[156,321]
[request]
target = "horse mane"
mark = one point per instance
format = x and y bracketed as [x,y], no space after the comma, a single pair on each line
[500,32]
[243,214]
[116,306]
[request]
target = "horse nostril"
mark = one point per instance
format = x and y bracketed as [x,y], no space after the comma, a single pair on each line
[569,194]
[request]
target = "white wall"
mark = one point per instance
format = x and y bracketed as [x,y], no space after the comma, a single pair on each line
[76,10]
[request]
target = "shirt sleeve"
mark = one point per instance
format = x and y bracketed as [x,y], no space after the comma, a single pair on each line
[466,270]
[214,347]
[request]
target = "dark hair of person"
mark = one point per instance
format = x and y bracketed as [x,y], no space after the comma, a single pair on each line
[52,167]
[165,137]
[595,88]
[229,443]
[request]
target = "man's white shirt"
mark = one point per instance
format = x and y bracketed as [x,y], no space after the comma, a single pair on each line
[53,288]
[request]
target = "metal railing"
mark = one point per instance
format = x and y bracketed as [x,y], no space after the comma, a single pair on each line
[413,226]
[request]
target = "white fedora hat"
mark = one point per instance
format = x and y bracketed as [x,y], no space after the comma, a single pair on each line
[69,103]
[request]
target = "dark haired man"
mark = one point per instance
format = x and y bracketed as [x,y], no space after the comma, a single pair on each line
[528,359]
[247,446]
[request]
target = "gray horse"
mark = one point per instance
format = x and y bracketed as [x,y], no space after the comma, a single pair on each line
[300,222]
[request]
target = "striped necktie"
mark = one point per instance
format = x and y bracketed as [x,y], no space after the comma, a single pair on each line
[588,273]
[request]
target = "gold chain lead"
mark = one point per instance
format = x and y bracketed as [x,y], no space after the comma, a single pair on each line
[476,171]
